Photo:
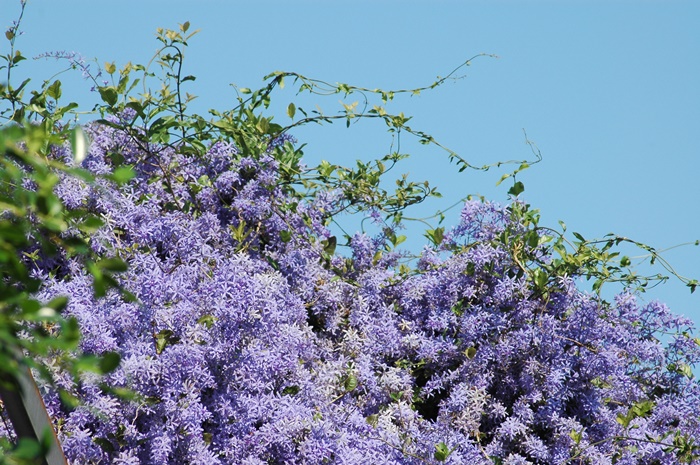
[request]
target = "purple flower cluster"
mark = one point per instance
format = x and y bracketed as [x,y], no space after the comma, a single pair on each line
[248,344]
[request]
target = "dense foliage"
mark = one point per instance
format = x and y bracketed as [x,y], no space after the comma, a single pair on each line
[248,336]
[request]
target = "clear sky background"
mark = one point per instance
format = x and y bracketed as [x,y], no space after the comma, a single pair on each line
[608,90]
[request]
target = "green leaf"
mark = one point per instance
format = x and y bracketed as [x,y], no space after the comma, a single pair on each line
[207,320]
[541,278]
[105,444]
[441,452]
[54,90]
[503,178]
[397,240]
[682,369]
[137,107]
[76,245]
[350,383]
[576,436]
[639,409]
[67,399]
[112,264]
[471,269]
[91,224]
[517,189]
[685,370]
[325,168]
[122,175]
[285,236]
[470,353]
[597,284]
[58,303]
[329,245]
[435,235]
[291,110]
[109,95]
[17,58]
[164,338]
[71,333]
[290,390]
[109,361]
[161,342]
[27,449]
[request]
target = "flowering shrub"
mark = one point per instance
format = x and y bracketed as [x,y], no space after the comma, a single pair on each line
[246,338]
[249,343]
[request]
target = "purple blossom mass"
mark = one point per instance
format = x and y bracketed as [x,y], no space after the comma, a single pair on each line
[249,342]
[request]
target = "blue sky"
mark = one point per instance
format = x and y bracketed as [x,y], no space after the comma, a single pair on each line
[608,90]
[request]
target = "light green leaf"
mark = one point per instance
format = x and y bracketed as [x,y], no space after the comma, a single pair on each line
[350,383]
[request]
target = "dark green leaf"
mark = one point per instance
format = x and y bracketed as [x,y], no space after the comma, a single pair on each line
[471,269]
[517,189]
[90,224]
[17,58]
[112,264]
[67,399]
[109,361]
[329,245]
[105,444]
[290,390]
[164,338]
